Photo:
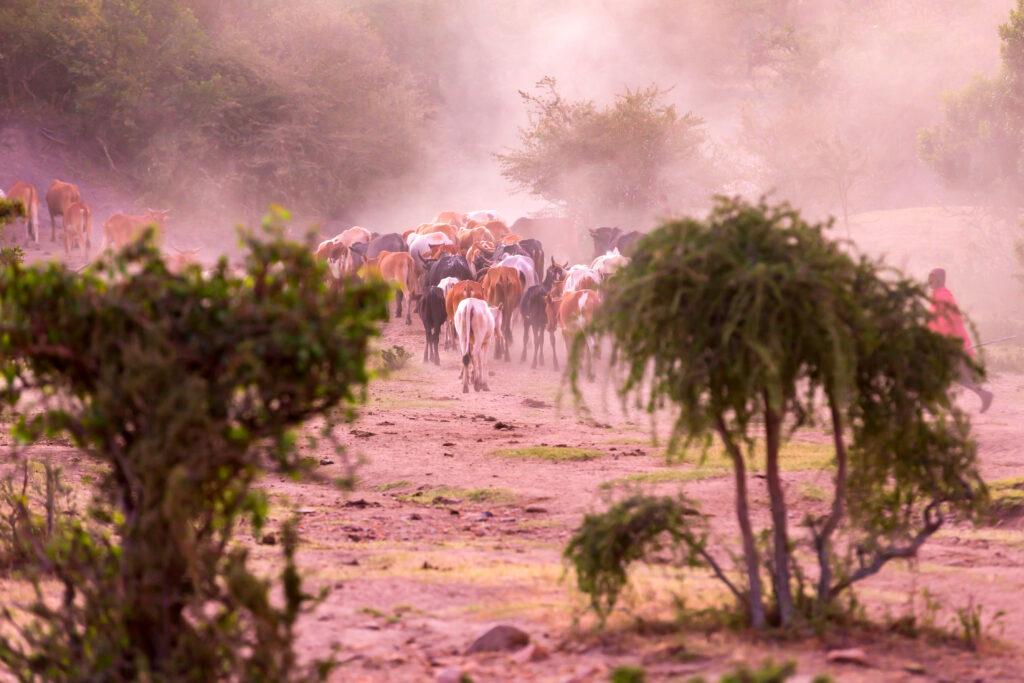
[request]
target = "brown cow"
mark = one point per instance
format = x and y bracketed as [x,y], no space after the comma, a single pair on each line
[337,255]
[438,249]
[177,262]
[120,229]
[59,197]
[449,230]
[511,238]
[504,290]
[575,311]
[27,195]
[397,267]
[470,236]
[452,217]
[497,228]
[77,227]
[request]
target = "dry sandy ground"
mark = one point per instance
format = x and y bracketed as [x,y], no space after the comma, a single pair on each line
[445,537]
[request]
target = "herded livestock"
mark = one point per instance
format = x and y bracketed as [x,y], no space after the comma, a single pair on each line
[354,235]
[434,316]
[526,268]
[607,264]
[420,246]
[389,242]
[511,239]
[498,228]
[504,290]
[556,272]
[400,269]
[575,311]
[485,215]
[581,277]
[446,286]
[448,265]
[450,230]
[467,289]
[533,309]
[451,217]
[180,260]
[606,239]
[26,194]
[535,250]
[77,228]
[337,255]
[475,327]
[479,257]
[59,197]
[438,250]
[467,237]
[120,229]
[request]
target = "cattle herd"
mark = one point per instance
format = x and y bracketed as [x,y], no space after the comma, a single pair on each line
[473,278]
[64,201]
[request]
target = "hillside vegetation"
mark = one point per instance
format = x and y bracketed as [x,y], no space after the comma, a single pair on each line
[295,102]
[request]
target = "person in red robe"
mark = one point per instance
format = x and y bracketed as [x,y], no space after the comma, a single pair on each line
[947,320]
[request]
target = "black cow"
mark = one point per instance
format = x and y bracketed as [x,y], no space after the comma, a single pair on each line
[503,250]
[535,250]
[448,265]
[606,239]
[533,308]
[556,272]
[392,242]
[433,314]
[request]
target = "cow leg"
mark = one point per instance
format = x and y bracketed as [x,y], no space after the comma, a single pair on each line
[437,342]
[507,325]
[526,339]
[554,349]
[426,348]
[538,346]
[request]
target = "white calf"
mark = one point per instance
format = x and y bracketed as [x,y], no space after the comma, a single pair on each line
[475,326]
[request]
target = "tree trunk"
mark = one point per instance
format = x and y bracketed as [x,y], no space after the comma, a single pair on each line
[756,600]
[823,539]
[780,539]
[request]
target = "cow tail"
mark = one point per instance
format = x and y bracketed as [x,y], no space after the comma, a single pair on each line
[33,220]
[464,336]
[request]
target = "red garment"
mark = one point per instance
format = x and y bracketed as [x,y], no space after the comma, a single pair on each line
[946,318]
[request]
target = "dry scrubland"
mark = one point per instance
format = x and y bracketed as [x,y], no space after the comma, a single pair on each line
[464,504]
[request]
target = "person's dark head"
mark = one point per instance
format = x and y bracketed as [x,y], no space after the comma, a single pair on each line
[937,278]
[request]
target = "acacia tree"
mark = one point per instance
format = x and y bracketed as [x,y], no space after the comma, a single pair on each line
[979,147]
[616,159]
[184,388]
[753,317]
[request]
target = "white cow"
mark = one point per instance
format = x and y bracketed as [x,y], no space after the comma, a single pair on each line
[485,215]
[474,323]
[421,244]
[608,263]
[449,327]
[524,264]
[576,277]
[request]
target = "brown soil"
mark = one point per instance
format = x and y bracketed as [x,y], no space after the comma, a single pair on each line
[416,569]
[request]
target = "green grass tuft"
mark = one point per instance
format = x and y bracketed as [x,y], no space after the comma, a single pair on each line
[553,453]
[441,494]
[392,485]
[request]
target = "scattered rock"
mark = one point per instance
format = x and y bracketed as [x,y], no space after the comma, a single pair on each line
[503,425]
[326,461]
[914,668]
[500,638]
[448,455]
[427,566]
[355,538]
[534,403]
[362,434]
[532,653]
[306,511]
[268,539]
[448,444]
[385,423]
[361,503]
[415,516]
[449,675]
[486,514]
[536,509]
[453,511]
[351,563]
[441,500]
[853,655]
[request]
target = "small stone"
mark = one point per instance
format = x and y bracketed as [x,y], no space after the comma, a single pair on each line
[914,668]
[326,461]
[268,539]
[535,509]
[415,516]
[853,655]
[532,653]
[449,675]
[500,638]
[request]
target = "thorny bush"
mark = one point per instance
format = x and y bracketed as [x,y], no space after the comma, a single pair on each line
[750,322]
[186,388]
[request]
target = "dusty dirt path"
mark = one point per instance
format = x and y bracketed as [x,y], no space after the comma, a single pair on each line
[445,537]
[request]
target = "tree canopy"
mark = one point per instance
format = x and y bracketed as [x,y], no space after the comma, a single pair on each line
[619,159]
[184,389]
[747,323]
[979,147]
